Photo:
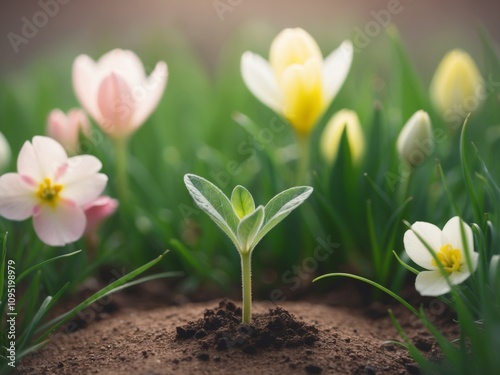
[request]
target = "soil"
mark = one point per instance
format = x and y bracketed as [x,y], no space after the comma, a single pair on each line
[208,338]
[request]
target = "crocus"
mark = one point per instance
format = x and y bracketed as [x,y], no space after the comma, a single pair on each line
[297,82]
[450,250]
[51,188]
[456,85]
[97,211]
[415,141]
[116,91]
[330,139]
[66,129]
[4,152]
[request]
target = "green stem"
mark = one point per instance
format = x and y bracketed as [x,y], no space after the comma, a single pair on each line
[303,164]
[121,167]
[246,282]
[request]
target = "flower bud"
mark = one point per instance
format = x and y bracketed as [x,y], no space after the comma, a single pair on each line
[330,139]
[415,141]
[4,152]
[457,84]
[97,211]
[66,129]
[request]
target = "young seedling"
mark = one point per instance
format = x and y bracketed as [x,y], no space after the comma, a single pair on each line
[242,222]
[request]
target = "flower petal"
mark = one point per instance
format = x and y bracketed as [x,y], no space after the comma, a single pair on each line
[452,234]
[114,98]
[17,196]
[261,81]
[41,158]
[86,79]
[151,92]
[431,283]
[416,250]
[335,69]
[124,62]
[459,277]
[59,226]
[81,181]
[98,210]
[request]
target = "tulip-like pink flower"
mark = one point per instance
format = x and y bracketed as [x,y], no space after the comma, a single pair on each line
[52,188]
[116,91]
[97,211]
[66,129]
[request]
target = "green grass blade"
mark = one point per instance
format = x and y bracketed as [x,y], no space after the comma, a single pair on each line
[373,283]
[31,269]
[111,288]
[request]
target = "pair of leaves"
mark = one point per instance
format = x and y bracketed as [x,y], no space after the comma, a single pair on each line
[244,224]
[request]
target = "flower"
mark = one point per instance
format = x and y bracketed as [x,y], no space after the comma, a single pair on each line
[97,211]
[296,82]
[415,141]
[4,152]
[450,251]
[456,85]
[52,188]
[116,92]
[330,139]
[66,129]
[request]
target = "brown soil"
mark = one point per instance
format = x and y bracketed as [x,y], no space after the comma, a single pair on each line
[296,338]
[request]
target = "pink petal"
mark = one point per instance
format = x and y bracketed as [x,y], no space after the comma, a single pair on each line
[148,94]
[63,130]
[114,98]
[86,79]
[97,211]
[60,225]
[125,63]
[17,196]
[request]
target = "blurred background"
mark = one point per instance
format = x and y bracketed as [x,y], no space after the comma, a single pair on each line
[208,24]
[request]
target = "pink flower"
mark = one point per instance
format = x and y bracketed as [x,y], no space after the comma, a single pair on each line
[116,91]
[52,188]
[66,129]
[98,210]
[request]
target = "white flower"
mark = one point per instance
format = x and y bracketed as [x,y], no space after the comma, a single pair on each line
[116,91]
[297,82]
[415,141]
[449,249]
[52,188]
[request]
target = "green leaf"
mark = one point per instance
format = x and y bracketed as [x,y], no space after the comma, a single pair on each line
[281,205]
[242,201]
[249,228]
[36,266]
[213,201]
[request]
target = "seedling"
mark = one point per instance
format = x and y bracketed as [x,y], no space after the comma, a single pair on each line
[242,222]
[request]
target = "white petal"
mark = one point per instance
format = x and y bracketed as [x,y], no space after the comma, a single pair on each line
[86,79]
[17,196]
[335,69]
[61,225]
[458,277]
[416,250]
[41,158]
[452,234]
[431,283]
[151,91]
[261,81]
[81,180]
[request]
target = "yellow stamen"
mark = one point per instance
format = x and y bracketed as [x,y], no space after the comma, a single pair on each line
[48,192]
[449,258]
